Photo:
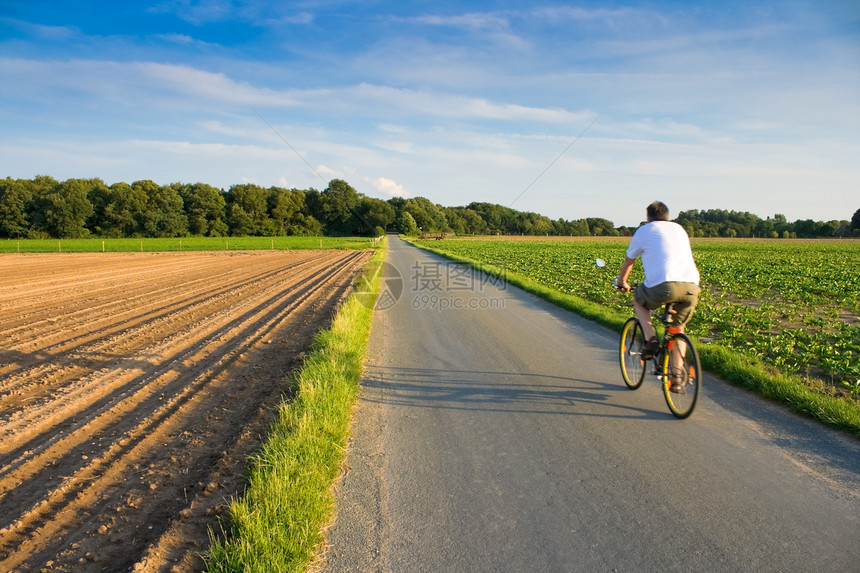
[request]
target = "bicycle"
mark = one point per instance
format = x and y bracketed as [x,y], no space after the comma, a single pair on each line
[675,363]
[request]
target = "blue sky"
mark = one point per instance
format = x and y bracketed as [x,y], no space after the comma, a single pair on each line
[749,106]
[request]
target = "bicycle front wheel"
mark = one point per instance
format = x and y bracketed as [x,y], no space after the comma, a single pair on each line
[682,376]
[630,354]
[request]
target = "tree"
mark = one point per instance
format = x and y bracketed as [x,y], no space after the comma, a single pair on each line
[457,222]
[15,195]
[492,216]
[601,227]
[406,225]
[427,216]
[375,213]
[241,224]
[805,229]
[289,214]
[163,215]
[252,210]
[855,222]
[338,208]
[205,209]
[123,213]
[540,225]
[284,207]
[62,213]
[99,197]
[475,225]
[40,186]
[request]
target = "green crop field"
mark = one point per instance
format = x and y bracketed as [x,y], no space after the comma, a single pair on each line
[182,244]
[793,305]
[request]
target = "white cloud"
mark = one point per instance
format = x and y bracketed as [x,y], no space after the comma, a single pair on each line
[430,103]
[187,87]
[471,21]
[387,187]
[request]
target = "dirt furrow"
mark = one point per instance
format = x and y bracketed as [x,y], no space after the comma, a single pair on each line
[54,281]
[149,466]
[152,420]
[106,306]
[111,386]
[87,341]
[137,358]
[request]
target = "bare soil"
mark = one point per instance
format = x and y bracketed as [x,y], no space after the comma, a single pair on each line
[134,386]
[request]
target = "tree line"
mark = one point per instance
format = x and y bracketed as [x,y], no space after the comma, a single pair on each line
[722,223]
[43,207]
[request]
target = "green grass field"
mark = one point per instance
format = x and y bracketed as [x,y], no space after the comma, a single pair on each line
[182,244]
[780,317]
[278,523]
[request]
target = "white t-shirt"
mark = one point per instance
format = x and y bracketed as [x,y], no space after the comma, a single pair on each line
[666,253]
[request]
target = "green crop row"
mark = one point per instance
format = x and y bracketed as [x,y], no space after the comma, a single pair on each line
[793,305]
[183,244]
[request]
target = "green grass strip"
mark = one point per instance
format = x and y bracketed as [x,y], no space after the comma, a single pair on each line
[740,370]
[183,244]
[278,523]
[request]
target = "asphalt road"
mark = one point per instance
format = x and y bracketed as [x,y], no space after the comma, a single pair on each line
[494,433]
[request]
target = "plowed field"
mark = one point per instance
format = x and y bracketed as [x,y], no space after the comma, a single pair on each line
[132,389]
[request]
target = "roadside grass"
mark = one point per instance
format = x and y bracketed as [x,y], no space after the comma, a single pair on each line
[181,244]
[740,370]
[278,523]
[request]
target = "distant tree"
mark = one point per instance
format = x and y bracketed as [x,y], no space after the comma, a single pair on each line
[374,213]
[855,222]
[601,227]
[537,224]
[406,224]
[249,210]
[455,221]
[339,208]
[464,221]
[475,225]
[285,210]
[765,228]
[806,229]
[829,228]
[397,203]
[62,212]
[239,221]
[123,213]
[290,213]
[205,209]
[40,186]
[15,195]
[427,215]
[163,215]
[493,216]
[99,197]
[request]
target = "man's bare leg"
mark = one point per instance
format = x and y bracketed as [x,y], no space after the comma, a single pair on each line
[644,316]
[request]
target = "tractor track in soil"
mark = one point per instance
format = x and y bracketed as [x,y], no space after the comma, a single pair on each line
[132,389]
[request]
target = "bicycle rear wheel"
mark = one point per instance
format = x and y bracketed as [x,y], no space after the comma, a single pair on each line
[630,354]
[682,380]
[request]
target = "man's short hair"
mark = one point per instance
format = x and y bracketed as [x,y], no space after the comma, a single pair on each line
[657,211]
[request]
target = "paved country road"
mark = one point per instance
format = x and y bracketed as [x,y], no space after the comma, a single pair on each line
[494,433]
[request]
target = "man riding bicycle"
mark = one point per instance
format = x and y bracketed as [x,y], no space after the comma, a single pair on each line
[671,275]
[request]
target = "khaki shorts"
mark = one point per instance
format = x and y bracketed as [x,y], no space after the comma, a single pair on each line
[685,296]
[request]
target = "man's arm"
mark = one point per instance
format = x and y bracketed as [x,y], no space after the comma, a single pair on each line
[624,272]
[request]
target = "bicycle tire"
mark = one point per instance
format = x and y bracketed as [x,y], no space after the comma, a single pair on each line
[681,404]
[630,353]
